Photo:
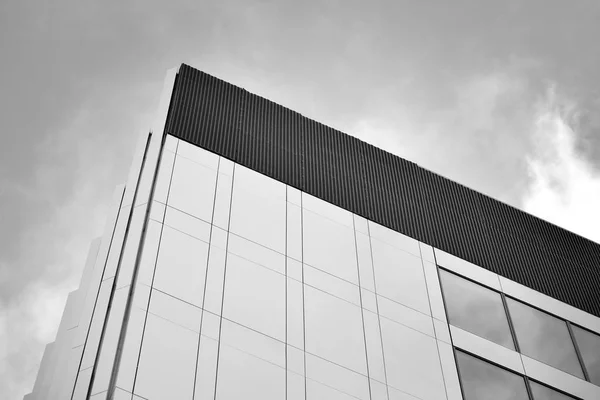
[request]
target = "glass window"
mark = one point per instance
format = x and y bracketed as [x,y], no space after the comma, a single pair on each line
[476,309]
[541,392]
[544,337]
[589,347]
[484,381]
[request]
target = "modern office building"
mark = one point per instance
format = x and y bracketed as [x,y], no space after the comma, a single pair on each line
[257,254]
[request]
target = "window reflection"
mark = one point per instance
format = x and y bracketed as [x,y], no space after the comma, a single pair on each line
[544,337]
[476,309]
[484,381]
[541,392]
[589,347]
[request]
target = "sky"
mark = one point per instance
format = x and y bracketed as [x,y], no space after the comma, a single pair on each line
[502,96]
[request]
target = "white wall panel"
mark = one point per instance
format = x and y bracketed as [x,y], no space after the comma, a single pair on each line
[486,349]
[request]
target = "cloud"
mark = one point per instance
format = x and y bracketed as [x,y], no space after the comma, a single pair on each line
[564,188]
[477,134]
[66,203]
[26,325]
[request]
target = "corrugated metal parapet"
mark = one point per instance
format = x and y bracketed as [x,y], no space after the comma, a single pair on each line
[384,188]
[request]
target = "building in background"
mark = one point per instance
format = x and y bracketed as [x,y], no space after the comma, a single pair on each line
[257,254]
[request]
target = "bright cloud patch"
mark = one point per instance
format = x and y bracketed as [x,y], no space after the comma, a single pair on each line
[564,189]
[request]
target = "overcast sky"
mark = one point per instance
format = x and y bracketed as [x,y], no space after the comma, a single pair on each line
[502,96]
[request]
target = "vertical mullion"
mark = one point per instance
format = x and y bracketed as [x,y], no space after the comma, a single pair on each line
[362,311]
[510,323]
[387,390]
[303,292]
[287,205]
[212,221]
[224,280]
[528,388]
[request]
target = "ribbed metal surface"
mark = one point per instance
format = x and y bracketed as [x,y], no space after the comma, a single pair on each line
[384,188]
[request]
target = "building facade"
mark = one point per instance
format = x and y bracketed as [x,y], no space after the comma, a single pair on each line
[256,254]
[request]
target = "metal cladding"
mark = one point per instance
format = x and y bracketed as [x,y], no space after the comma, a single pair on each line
[384,188]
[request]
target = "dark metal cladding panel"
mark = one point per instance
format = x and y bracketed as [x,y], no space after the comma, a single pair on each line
[207,105]
[384,188]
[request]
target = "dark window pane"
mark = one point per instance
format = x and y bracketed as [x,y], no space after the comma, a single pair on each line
[541,392]
[544,337]
[589,346]
[476,309]
[484,381]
